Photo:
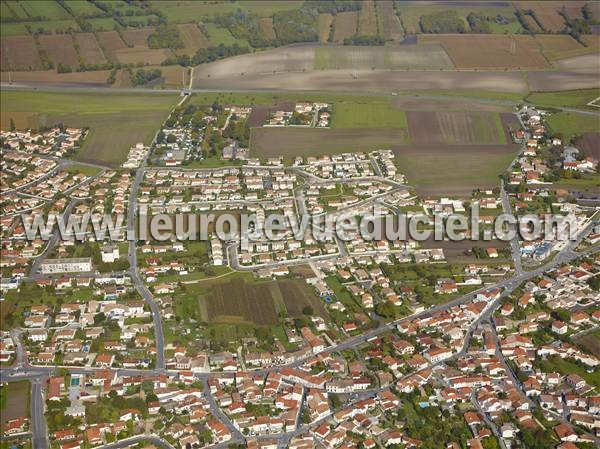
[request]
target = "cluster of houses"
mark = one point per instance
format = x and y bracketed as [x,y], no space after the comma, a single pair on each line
[135,157]
[303,114]
[58,142]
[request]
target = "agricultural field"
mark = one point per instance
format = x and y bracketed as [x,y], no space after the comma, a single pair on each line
[116,120]
[60,49]
[19,53]
[83,8]
[252,304]
[591,342]
[415,57]
[102,23]
[193,39]
[324,23]
[89,50]
[297,295]
[138,37]
[141,56]
[561,46]
[21,120]
[367,115]
[589,143]
[290,142]
[90,78]
[110,42]
[428,127]
[367,19]
[568,98]
[389,24]
[435,169]
[31,8]
[266,27]
[490,52]
[345,24]
[547,13]
[571,124]
[182,11]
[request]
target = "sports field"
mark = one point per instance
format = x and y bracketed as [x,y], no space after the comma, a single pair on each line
[116,121]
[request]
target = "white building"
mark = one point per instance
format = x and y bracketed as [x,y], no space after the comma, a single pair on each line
[70,265]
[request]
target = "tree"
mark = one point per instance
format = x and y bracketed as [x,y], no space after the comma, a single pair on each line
[13,127]
[308,310]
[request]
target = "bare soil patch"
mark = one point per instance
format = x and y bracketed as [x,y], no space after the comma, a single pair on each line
[90,51]
[22,120]
[345,25]
[19,53]
[60,49]
[92,78]
[193,39]
[138,37]
[490,51]
[367,19]
[590,144]
[547,12]
[390,27]
[110,41]
[297,295]
[426,127]
[137,55]
[17,401]
[591,342]
[266,26]
[251,303]
[291,142]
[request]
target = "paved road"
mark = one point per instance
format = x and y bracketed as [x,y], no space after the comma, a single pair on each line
[38,420]
[514,243]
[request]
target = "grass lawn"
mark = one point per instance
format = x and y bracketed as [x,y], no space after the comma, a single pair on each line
[567,98]
[571,124]
[478,94]
[587,181]
[367,115]
[116,120]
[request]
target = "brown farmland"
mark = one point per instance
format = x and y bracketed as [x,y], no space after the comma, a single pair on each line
[138,37]
[110,41]
[138,55]
[367,19]
[589,143]
[60,49]
[297,295]
[427,127]
[90,51]
[390,27]
[258,116]
[345,25]
[325,21]
[193,39]
[266,27]
[19,53]
[547,14]
[532,23]
[252,303]
[490,51]
[50,77]
[21,120]
[560,46]
[291,142]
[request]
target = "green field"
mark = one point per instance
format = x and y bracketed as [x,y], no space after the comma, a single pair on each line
[567,98]
[218,35]
[103,23]
[116,121]
[82,8]
[190,11]
[367,115]
[571,124]
[50,26]
[49,10]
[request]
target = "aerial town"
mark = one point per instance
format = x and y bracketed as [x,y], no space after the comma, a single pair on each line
[112,336]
